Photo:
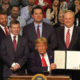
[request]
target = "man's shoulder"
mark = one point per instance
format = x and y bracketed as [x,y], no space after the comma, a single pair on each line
[60,29]
[29,25]
[25,8]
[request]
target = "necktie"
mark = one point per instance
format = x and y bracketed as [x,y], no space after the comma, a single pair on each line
[14,42]
[38,32]
[68,38]
[67,1]
[6,31]
[43,61]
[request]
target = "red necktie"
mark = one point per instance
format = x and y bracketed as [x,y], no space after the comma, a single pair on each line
[6,31]
[38,32]
[14,42]
[67,1]
[68,38]
[43,61]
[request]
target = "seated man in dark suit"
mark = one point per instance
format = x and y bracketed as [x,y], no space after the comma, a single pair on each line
[14,52]
[41,61]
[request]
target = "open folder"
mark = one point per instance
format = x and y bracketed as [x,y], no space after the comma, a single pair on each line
[67,59]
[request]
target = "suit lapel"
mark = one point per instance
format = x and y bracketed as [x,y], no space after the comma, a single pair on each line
[51,60]
[62,36]
[73,37]
[18,44]
[34,35]
[10,43]
[2,31]
[43,30]
[39,59]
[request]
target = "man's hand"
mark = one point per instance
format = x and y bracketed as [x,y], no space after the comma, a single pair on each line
[52,66]
[15,67]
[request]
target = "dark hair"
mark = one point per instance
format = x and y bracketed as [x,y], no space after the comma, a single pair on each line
[37,7]
[15,6]
[2,12]
[14,22]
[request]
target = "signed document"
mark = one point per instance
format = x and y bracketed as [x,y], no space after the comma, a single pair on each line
[73,60]
[59,59]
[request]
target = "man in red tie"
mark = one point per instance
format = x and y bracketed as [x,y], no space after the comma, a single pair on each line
[68,36]
[69,39]
[14,52]
[41,61]
[3,27]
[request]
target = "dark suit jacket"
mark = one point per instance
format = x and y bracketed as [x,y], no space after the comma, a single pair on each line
[2,36]
[75,42]
[35,63]
[47,32]
[9,56]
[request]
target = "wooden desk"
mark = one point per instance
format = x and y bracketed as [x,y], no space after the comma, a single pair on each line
[27,77]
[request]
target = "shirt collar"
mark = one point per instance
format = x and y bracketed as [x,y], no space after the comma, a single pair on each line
[38,24]
[2,27]
[71,28]
[13,36]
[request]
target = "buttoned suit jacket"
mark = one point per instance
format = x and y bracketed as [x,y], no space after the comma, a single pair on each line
[47,31]
[74,43]
[8,55]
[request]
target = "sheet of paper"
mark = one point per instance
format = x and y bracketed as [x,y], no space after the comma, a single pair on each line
[73,60]
[59,59]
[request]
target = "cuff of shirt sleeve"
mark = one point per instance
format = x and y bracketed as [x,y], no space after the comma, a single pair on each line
[13,64]
[48,68]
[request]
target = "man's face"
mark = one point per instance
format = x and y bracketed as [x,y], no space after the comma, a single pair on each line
[15,12]
[68,19]
[15,29]
[41,48]
[31,2]
[3,20]
[37,15]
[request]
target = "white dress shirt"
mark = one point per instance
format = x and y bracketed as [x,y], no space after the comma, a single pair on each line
[3,28]
[46,59]
[71,32]
[12,37]
[40,28]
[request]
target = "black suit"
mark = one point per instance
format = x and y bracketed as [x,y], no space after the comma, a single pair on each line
[2,36]
[9,56]
[74,44]
[35,63]
[47,32]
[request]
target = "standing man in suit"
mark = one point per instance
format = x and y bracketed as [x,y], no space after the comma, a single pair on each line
[14,52]
[69,39]
[3,32]
[41,61]
[68,36]
[38,28]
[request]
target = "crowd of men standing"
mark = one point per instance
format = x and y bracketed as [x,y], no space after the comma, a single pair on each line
[31,46]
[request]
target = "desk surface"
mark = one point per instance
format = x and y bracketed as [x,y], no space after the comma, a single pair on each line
[29,77]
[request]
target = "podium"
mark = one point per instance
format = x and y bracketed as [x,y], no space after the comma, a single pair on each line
[29,77]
